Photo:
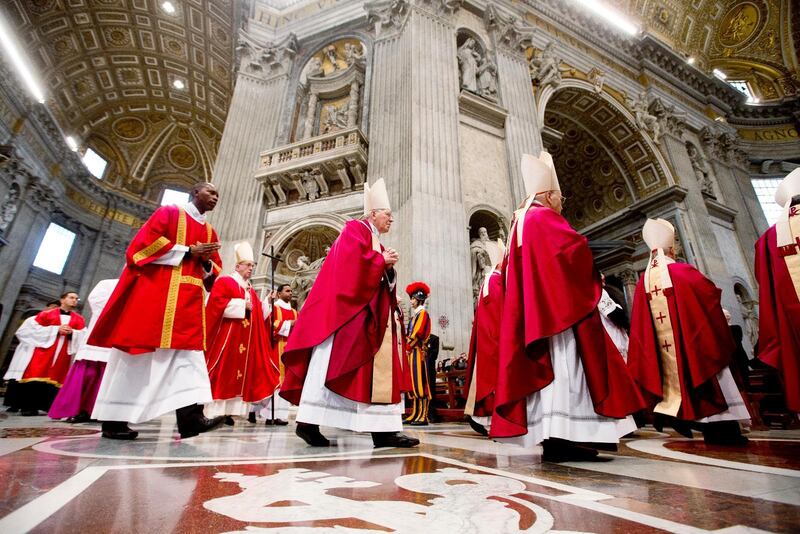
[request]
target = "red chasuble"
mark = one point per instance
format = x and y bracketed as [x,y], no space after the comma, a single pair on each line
[779,314]
[703,343]
[159,306]
[351,298]
[238,359]
[46,365]
[483,345]
[552,285]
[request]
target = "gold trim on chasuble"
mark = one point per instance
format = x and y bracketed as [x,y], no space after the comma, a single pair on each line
[659,310]
[382,362]
[150,249]
[174,287]
[793,260]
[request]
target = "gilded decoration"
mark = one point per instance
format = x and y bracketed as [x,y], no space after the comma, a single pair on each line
[109,67]
[739,24]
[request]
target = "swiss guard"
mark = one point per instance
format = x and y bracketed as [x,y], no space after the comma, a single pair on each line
[417,336]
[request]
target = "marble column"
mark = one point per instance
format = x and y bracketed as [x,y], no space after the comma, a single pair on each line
[414,145]
[251,127]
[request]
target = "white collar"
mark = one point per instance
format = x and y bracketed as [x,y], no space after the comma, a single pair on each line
[372,228]
[192,211]
[418,309]
[239,280]
[283,304]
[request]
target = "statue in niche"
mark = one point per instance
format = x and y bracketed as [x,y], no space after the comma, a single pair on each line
[644,119]
[8,210]
[468,58]
[316,265]
[306,273]
[353,53]
[335,118]
[333,57]
[749,317]
[546,68]
[484,255]
[487,79]
[310,185]
[700,167]
[314,68]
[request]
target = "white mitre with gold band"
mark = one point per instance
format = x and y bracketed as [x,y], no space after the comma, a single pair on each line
[659,235]
[788,189]
[376,197]
[539,176]
[243,252]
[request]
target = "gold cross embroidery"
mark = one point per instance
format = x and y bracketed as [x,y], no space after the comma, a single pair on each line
[238,374]
[242,348]
[245,323]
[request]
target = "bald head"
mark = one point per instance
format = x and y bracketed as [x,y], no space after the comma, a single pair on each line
[204,196]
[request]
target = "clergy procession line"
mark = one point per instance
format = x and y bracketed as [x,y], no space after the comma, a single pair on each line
[550,358]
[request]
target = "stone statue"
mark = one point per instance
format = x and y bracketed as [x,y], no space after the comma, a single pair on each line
[484,255]
[546,68]
[749,317]
[468,58]
[353,53]
[310,185]
[303,263]
[314,68]
[700,167]
[335,119]
[8,210]
[487,79]
[598,78]
[644,119]
[333,57]
[316,265]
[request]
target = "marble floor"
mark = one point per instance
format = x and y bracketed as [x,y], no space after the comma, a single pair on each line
[251,478]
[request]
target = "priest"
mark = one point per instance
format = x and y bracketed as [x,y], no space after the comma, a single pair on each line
[55,336]
[417,335]
[238,352]
[280,319]
[561,380]
[680,345]
[343,360]
[483,351]
[75,401]
[154,322]
[778,274]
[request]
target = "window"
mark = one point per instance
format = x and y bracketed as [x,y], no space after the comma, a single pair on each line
[54,250]
[173,196]
[743,87]
[765,191]
[95,163]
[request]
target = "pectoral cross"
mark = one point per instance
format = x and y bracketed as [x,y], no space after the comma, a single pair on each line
[666,346]
[661,318]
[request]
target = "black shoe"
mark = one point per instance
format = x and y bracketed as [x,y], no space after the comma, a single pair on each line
[29,413]
[82,417]
[477,427]
[118,430]
[229,420]
[560,450]
[280,422]
[724,433]
[393,439]
[311,435]
[418,423]
[251,417]
[192,422]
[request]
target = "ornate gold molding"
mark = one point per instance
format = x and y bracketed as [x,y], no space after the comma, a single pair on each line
[100,210]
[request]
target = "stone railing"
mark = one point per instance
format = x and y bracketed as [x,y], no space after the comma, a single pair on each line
[329,164]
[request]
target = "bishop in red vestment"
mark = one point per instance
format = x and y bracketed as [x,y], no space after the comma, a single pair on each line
[238,357]
[343,362]
[680,345]
[561,379]
[154,322]
[777,270]
[56,336]
[483,351]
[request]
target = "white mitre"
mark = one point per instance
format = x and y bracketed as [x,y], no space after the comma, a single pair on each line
[659,235]
[539,174]
[376,197]
[243,252]
[787,189]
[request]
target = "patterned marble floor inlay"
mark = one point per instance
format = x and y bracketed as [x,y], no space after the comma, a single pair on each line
[251,478]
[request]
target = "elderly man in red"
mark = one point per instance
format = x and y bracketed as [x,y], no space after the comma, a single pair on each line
[561,381]
[154,322]
[56,335]
[778,275]
[681,345]
[239,365]
[343,360]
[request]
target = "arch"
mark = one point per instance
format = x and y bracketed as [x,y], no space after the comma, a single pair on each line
[285,234]
[489,217]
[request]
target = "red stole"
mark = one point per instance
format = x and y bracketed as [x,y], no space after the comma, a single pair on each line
[703,343]
[483,347]
[238,357]
[779,315]
[552,285]
[45,364]
[352,299]
[159,306]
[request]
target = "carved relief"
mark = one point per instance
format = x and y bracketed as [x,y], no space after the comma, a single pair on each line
[545,67]
[701,170]
[477,71]
[9,206]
